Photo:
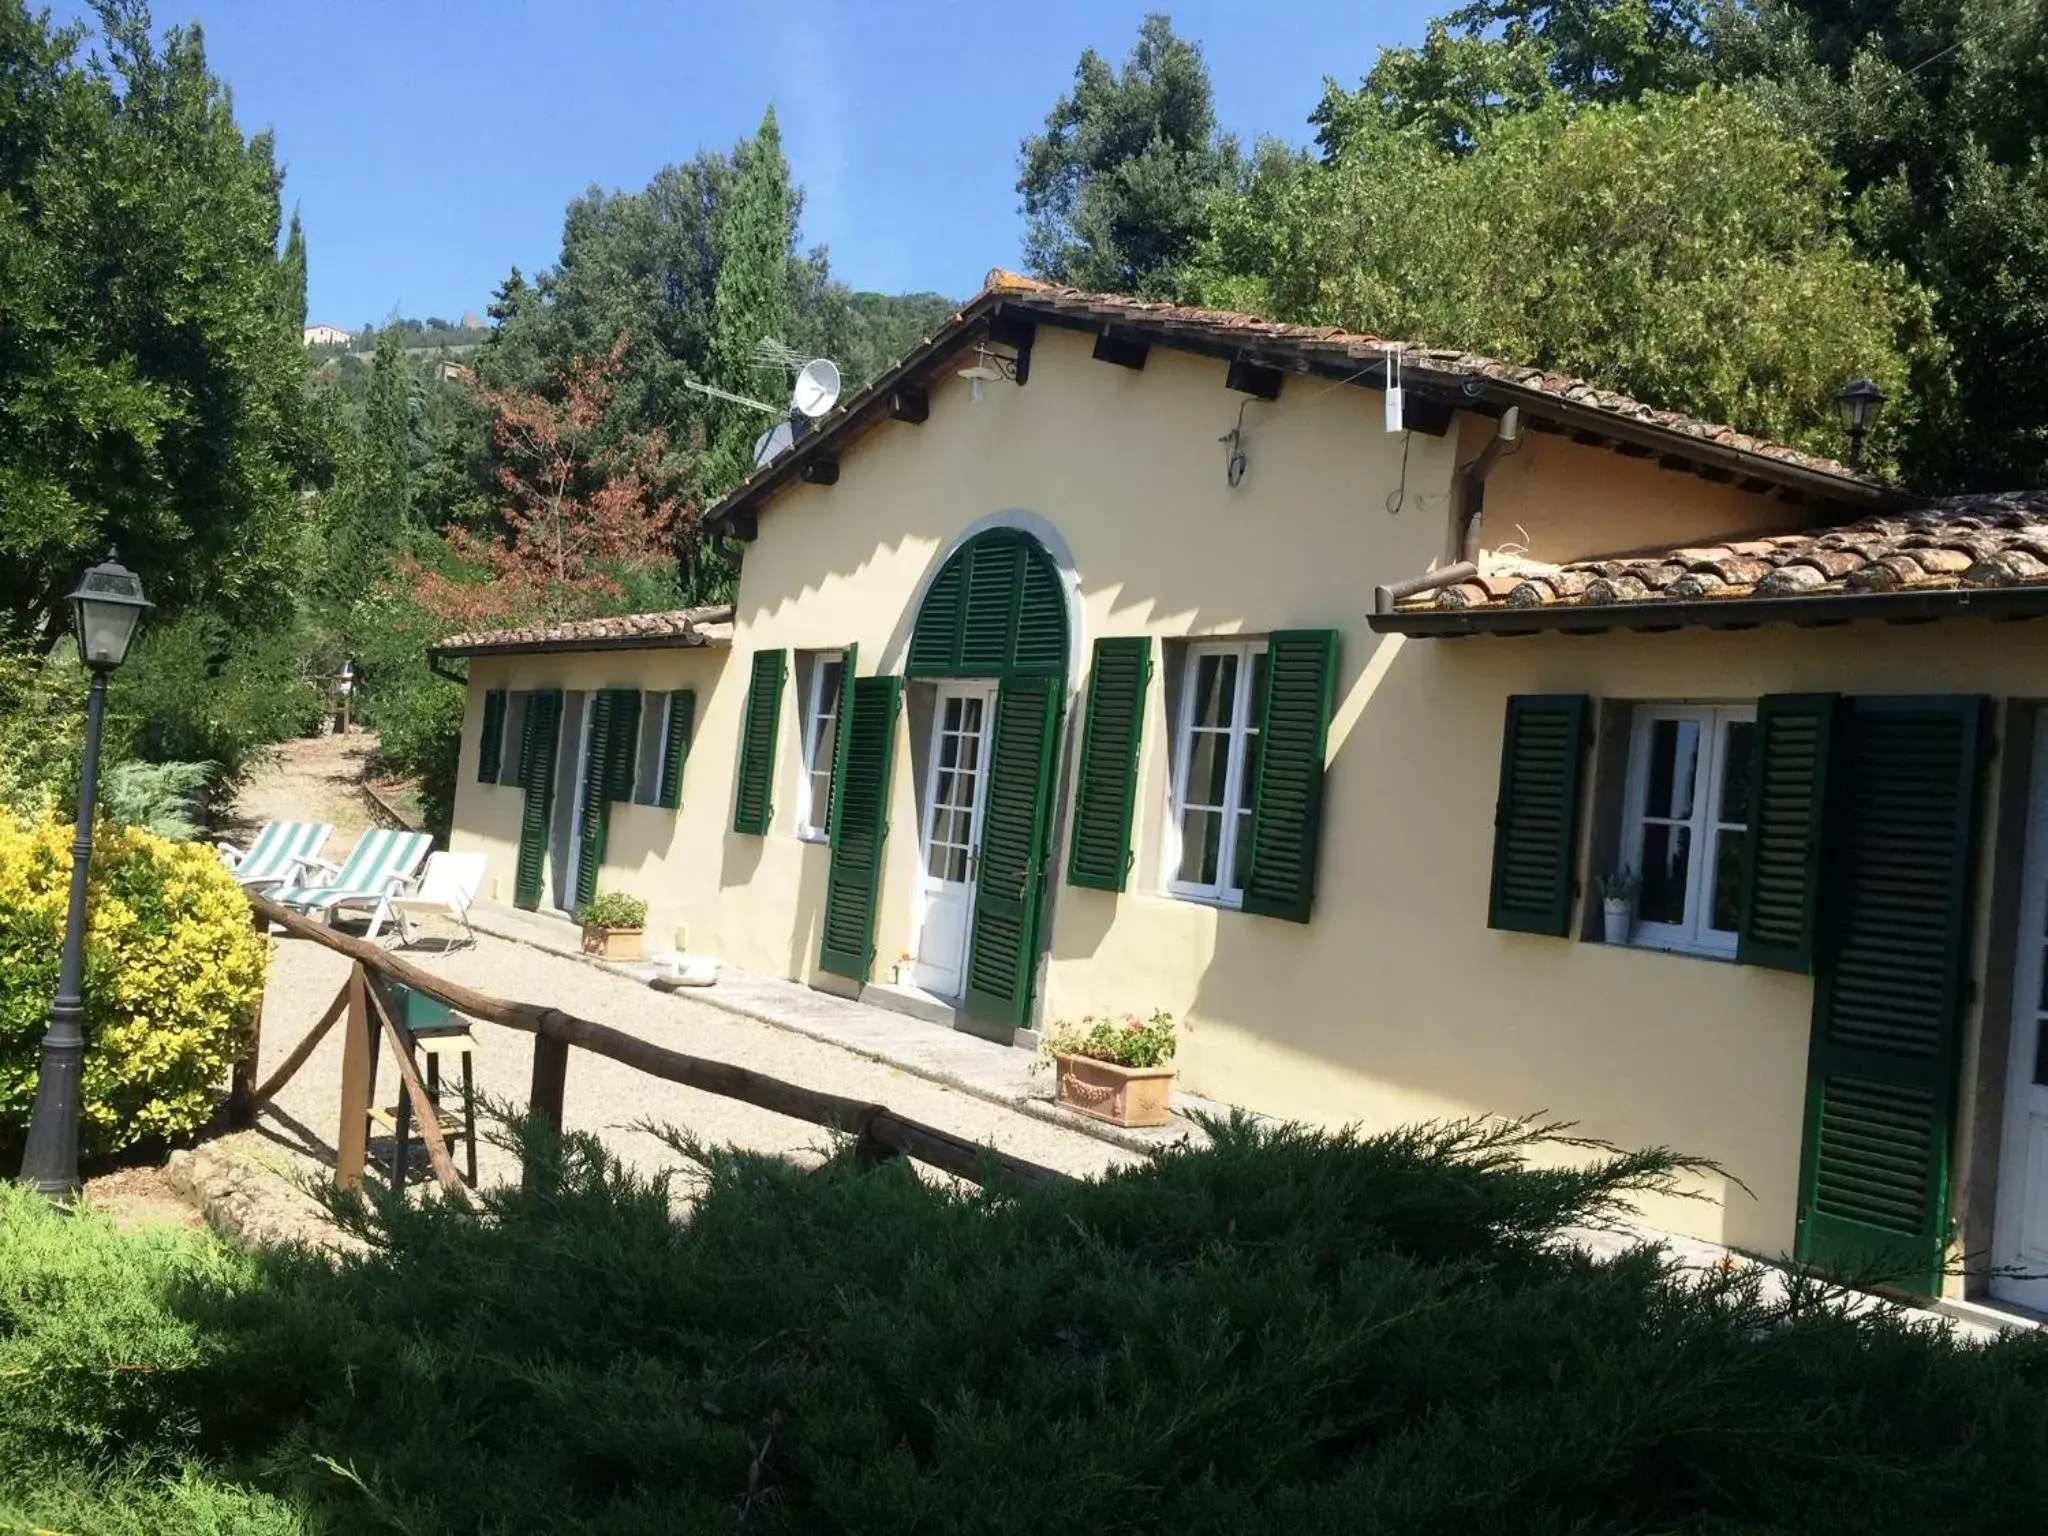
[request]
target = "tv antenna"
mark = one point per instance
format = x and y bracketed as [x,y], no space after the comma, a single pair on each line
[814,392]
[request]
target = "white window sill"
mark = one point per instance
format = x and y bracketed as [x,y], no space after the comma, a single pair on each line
[1681,947]
[1198,899]
[813,835]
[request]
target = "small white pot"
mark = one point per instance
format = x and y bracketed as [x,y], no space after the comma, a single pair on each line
[1618,913]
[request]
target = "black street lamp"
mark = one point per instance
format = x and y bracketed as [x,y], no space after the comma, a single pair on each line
[104,612]
[1858,405]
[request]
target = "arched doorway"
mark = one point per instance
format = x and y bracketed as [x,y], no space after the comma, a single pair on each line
[990,645]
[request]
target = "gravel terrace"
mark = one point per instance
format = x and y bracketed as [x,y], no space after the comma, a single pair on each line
[606,1097]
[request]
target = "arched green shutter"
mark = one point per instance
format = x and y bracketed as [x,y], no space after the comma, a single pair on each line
[996,608]
[675,750]
[860,823]
[1287,785]
[1788,796]
[753,798]
[1100,852]
[490,744]
[1536,818]
[537,777]
[1891,983]
[1003,953]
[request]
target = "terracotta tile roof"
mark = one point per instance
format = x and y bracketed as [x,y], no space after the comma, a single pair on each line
[1452,373]
[711,625]
[1366,349]
[1985,541]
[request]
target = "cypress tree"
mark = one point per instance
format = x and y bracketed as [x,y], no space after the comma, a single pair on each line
[754,231]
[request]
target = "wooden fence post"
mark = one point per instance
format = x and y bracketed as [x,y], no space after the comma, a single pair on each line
[352,1140]
[242,1105]
[550,1075]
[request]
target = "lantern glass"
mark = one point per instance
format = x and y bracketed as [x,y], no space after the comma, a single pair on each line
[105,611]
[1857,405]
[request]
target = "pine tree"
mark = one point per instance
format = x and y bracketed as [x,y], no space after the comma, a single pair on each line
[754,234]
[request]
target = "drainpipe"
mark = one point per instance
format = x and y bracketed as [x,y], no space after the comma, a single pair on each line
[440,668]
[1471,514]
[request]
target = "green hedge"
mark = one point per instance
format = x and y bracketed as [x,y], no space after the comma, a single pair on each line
[1290,1333]
[173,972]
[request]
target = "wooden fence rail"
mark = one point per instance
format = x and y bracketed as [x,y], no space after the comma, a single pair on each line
[879,1131]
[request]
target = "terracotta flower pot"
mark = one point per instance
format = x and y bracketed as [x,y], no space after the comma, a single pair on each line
[1132,1096]
[615,943]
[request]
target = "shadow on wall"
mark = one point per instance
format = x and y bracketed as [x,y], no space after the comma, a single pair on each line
[1424,1012]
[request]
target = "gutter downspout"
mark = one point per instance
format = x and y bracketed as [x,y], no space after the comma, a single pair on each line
[440,669]
[1471,515]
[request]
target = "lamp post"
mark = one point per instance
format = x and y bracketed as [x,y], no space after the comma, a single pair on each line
[104,612]
[1857,405]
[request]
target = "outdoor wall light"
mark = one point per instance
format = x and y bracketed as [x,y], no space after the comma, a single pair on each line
[1857,406]
[988,366]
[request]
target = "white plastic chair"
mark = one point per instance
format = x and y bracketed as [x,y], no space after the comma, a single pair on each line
[446,888]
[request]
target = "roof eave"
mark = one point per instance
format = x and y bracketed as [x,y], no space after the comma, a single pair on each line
[1814,612]
[593,643]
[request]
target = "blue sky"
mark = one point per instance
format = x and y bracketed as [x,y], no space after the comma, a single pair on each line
[430,145]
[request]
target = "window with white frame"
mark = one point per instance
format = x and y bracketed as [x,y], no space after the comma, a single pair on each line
[821,739]
[1686,829]
[654,708]
[1215,750]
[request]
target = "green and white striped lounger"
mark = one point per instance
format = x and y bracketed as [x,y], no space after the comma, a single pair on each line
[375,871]
[279,854]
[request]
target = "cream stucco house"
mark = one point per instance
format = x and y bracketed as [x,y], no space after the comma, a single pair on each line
[1106,655]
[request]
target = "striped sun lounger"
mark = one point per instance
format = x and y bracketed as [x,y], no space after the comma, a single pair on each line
[279,855]
[374,872]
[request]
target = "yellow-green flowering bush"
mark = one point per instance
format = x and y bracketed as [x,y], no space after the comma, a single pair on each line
[173,975]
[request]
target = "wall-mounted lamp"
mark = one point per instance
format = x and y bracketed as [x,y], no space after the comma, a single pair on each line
[988,366]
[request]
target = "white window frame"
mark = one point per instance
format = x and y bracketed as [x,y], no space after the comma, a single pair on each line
[1228,887]
[808,827]
[1695,935]
[650,754]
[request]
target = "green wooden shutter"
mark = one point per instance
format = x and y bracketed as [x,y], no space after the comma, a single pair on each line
[490,745]
[1003,953]
[1099,854]
[623,755]
[935,639]
[1788,796]
[594,810]
[754,796]
[842,714]
[675,749]
[1892,980]
[1536,819]
[866,758]
[537,777]
[1287,781]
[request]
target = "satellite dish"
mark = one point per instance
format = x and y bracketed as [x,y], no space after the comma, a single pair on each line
[779,438]
[817,387]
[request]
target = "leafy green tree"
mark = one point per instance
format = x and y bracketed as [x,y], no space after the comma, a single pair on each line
[1937,113]
[150,374]
[755,229]
[1120,187]
[1685,250]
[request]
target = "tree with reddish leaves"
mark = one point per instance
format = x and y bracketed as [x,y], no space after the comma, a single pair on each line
[579,509]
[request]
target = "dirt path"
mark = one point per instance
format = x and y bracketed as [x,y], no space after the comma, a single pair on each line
[314,778]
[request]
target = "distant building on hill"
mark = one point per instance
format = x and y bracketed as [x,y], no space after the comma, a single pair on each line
[327,335]
[472,321]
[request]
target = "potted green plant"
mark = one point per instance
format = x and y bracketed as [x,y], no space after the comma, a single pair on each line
[1618,893]
[614,925]
[1115,1069]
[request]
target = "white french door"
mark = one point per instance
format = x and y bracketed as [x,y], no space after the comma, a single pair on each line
[2020,1239]
[956,786]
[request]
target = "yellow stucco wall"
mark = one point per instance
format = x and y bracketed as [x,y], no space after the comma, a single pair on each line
[1396,1002]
